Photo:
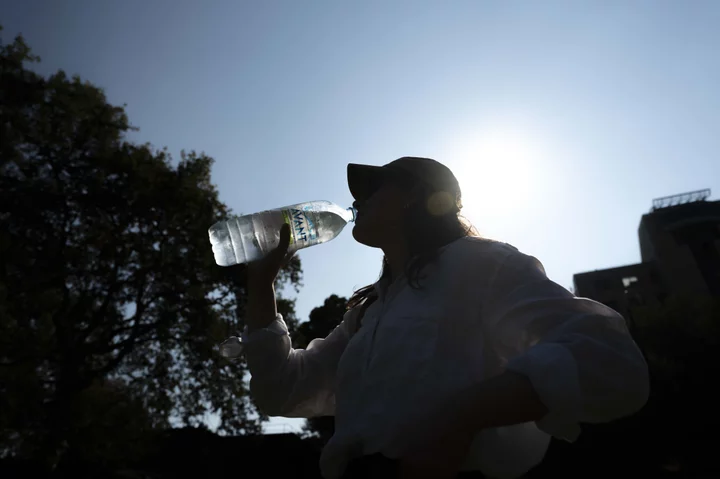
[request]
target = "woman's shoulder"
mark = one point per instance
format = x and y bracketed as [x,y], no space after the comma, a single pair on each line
[491,256]
[484,258]
[473,249]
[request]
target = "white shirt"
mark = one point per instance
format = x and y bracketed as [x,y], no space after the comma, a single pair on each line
[484,307]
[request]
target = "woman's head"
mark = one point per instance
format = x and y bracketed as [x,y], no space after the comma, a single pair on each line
[416,199]
[381,208]
[413,200]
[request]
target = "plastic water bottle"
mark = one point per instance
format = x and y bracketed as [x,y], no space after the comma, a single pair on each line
[250,237]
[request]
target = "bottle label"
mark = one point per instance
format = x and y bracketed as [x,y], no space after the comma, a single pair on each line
[302,227]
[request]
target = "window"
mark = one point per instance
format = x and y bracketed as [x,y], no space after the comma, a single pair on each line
[629,280]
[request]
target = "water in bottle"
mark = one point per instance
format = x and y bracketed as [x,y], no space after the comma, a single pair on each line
[250,237]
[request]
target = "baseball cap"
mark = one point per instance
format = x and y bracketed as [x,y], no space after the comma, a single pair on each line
[364,180]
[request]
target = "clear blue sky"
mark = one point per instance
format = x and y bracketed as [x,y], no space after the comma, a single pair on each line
[562,119]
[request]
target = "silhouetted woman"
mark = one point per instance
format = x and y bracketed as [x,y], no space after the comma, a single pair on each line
[464,356]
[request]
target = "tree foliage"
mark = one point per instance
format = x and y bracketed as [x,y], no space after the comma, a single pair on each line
[106,272]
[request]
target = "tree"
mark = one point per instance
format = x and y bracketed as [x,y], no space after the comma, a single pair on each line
[323,320]
[106,272]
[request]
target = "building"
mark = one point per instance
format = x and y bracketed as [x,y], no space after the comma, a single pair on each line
[680,251]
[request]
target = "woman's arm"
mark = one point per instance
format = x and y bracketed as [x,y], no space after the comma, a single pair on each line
[504,400]
[294,382]
[262,305]
[286,381]
[436,444]
[576,356]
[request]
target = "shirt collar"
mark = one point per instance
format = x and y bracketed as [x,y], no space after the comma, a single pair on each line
[384,287]
[387,287]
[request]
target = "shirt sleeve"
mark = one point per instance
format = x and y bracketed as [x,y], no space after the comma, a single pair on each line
[294,382]
[577,353]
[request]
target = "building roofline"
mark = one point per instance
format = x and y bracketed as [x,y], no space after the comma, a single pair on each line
[616,268]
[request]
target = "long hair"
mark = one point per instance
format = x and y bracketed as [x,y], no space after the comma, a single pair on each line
[425,234]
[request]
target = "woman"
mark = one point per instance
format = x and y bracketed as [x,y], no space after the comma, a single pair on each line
[464,356]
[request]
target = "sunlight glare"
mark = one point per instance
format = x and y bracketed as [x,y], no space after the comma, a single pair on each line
[497,171]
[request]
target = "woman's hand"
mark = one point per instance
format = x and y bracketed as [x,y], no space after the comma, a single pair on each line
[261,305]
[264,271]
[437,442]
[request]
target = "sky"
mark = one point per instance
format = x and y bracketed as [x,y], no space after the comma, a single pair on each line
[562,119]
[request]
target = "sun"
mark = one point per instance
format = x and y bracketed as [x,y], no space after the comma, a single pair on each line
[497,170]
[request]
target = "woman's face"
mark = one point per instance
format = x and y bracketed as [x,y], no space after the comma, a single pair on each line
[380,218]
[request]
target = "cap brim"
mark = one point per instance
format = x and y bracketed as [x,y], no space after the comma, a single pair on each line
[364,180]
